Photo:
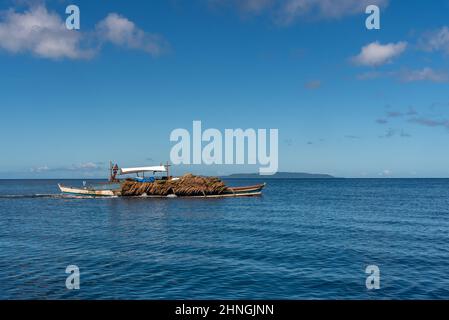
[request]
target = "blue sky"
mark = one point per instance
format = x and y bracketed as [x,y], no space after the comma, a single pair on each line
[347,101]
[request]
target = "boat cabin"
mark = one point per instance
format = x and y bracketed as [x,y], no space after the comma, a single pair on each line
[158,173]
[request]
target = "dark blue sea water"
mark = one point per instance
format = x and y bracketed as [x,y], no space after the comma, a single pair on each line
[303,239]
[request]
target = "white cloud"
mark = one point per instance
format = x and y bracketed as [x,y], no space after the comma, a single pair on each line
[375,54]
[123,32]
[409,75]
[287,11]
[39,32]
[292,9]
[80,167]
[44,34]
[437,40]
[40,169]
[425,74]
[385,173]
[87,166]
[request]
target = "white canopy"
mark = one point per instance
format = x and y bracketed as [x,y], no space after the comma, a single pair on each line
[143,169]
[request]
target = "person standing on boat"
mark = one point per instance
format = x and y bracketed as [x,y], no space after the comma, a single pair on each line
[114,173]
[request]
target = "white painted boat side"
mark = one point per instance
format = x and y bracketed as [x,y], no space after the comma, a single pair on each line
[85,191]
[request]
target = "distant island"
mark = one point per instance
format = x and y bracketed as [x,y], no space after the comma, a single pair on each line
[280,175]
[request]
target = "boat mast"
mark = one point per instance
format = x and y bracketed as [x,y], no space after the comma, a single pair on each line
[167,166]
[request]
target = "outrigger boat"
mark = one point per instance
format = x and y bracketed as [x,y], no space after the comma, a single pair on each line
[113,188]
[89,191]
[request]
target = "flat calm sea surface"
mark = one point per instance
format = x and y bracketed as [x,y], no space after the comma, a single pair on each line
[303,239]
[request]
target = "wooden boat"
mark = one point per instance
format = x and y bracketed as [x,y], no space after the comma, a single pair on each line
[88,191]
[254,190]
[114,186]
[248,191]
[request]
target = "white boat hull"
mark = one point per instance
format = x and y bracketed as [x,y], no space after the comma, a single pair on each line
[86,192]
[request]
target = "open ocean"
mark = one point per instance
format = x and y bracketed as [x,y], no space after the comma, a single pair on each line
[303,239]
